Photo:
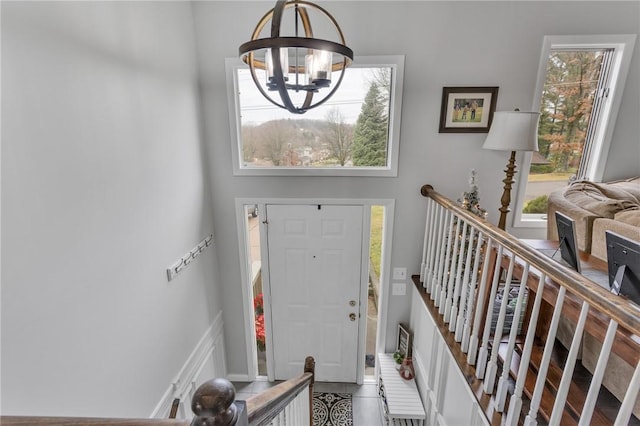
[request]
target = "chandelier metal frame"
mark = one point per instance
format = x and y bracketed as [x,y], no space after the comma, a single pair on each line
[276,42]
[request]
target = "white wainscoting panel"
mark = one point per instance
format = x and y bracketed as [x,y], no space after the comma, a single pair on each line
[446,397]
[206,361]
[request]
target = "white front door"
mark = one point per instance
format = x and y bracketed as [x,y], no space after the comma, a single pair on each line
[315,258]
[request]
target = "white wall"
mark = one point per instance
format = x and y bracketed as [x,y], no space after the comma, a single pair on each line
[457,43]
[105,181]
[103,187]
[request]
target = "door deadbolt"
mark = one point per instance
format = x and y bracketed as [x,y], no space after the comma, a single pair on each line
[352,316]
[352,303]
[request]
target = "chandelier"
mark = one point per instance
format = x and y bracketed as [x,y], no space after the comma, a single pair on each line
[294,63]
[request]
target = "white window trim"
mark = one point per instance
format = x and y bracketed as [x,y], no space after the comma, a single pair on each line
[396,62]
[623,45]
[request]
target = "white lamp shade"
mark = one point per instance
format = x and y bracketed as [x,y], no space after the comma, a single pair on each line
[513,131]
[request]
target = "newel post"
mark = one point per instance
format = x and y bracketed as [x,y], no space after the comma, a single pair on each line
[310,367]
[214,404]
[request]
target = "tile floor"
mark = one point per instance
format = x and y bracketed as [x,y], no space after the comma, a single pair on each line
[364,397]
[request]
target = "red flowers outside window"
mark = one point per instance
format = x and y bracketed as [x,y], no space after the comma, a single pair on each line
[258,305]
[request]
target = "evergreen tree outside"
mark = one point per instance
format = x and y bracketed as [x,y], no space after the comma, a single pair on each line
[372,130]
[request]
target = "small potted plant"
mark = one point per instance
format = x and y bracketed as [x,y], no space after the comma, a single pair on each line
[398,357]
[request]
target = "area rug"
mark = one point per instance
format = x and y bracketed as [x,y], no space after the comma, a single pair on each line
[332,409]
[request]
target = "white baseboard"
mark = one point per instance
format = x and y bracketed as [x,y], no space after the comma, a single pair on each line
[206,358]
[238,378]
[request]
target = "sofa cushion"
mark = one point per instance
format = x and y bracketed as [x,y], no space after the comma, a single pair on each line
[632,217]
[604,200]
[631,186]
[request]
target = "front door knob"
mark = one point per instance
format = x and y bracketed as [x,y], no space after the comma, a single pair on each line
[352,316]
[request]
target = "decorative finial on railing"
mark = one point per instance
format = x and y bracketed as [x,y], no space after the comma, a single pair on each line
[213,404]
[425,189]
[309,365]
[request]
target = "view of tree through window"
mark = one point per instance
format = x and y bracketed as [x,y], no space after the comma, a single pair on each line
[350,130]
[567,117]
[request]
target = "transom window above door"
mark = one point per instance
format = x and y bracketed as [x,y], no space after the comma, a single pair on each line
[354,133]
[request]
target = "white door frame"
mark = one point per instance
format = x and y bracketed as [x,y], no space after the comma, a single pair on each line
[240,203]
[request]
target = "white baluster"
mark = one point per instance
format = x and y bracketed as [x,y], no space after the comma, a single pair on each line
[492,368]
[563,389]
[428,273]
[629,399]
[473,339]
[453,266]
[425,244]
[515,403]
[438,244]
[445,267]
[464,289]
[468,312]
[598,374]
[501,394]
[531,419]
[443,242]
[463,248]
[483,353]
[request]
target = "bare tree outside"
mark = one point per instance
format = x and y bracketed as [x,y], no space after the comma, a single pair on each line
[339,136]
[249,144]
[381,77]
[324,137]
[276,135]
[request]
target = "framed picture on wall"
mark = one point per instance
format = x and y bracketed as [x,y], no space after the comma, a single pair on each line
[467,109]
[404,341]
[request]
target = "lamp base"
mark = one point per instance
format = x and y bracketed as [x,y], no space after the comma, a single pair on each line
[506,195]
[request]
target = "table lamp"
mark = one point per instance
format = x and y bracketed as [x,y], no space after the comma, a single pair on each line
[512,131]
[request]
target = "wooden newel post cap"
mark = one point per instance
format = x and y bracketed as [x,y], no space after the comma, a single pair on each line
[425,190]
[213,404]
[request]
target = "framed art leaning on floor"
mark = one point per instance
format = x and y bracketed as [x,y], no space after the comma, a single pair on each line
[404,341]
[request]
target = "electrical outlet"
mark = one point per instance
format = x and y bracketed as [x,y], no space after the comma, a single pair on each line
[399,273]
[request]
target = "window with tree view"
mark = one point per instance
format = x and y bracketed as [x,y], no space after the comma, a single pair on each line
[580,88]
[351,133]
[568,99]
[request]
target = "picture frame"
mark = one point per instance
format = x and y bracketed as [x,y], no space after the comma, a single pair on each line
[404,341]
[467,109]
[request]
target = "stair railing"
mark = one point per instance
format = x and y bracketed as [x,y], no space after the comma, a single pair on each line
[469,269]
[288,403]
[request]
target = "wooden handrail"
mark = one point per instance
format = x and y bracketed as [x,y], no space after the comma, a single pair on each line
[512,344]
[619,309]
[213,404]
[76,421]
[263,407]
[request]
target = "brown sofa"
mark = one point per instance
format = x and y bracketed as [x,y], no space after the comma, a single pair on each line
[597,207]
